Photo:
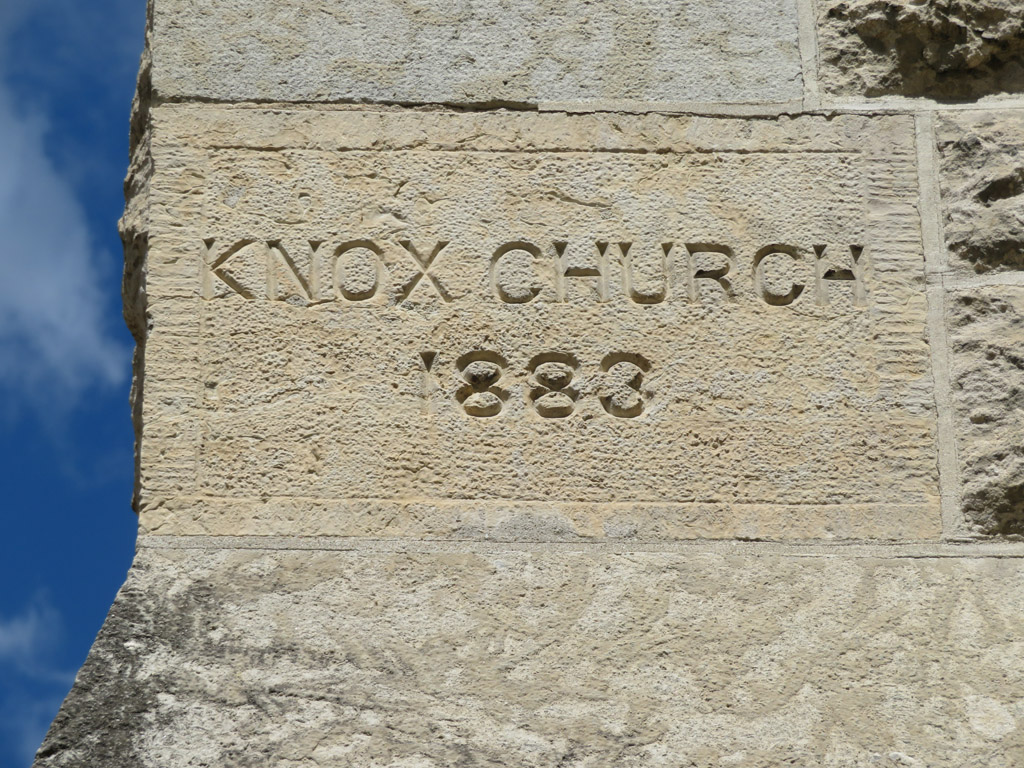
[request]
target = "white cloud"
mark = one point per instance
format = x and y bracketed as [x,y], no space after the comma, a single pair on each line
[19,636]
[26,637]
[54,333]
[35,687]
[52,324]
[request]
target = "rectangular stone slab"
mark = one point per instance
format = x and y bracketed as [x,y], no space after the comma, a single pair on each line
[562,657]
[477,51]
[981,168]
[532,327]
[986,337]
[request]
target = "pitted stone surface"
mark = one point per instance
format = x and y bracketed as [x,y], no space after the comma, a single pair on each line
[987,337]
[982,176]
[561,658]
[951,50]
[459,330]
[477,51]
[481,328]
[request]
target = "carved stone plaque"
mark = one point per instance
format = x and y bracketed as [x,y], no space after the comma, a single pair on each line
[499,326]
[579,383]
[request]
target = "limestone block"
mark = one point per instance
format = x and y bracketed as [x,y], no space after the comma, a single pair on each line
[540,327]
[544,658]
[956,50]
[982,181]
[987,339]
[477,51]
[593,434]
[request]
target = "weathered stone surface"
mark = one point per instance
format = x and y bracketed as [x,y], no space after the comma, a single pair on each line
[950,50]
[987,338]
[982,180]
[547,327]
[255,658]
[477,51]
[512,366]
[113,701]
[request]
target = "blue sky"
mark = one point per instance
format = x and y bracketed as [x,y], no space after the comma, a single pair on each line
[67,72]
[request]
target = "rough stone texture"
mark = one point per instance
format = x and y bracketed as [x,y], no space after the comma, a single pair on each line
[987,339]
[955,50]
[688,406]
[113,700]
[439,408]
[477,51]
[553,659]
[982,164]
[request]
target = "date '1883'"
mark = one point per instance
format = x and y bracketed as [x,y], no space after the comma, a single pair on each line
[552,383]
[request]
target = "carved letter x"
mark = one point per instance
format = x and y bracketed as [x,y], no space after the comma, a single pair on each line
[424,265]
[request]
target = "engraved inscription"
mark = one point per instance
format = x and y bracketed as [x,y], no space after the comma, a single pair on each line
[823,274]
[218,265]
[429,385]
[710,264]
[480,396]
[647,341]
[284,282]
[625,376]
[358,270]
[423,264]
[576,265]
[551,377]
[629,278]
[773,278]
[523,272]
[518,257]
[552,383]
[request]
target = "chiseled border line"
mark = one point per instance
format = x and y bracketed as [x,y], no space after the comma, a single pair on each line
[884,105]
[938,343]
[974,550]
[808,41]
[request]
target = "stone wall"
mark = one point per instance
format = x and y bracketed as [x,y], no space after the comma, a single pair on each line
[571,384]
